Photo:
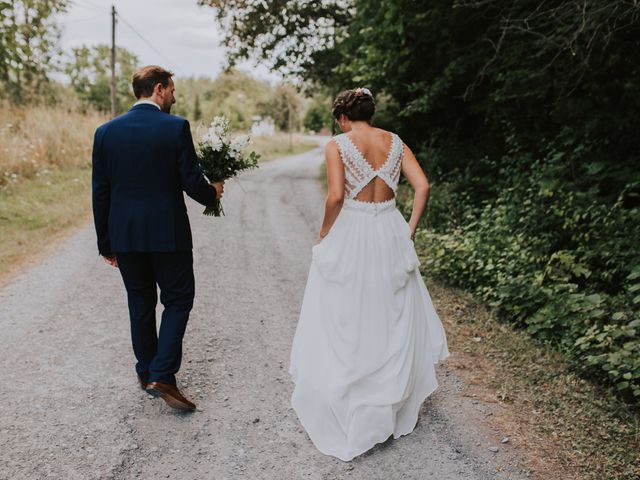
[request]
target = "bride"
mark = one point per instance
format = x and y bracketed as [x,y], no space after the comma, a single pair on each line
[368,336]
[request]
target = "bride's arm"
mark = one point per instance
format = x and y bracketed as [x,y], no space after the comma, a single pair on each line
[335,188]
[418,180]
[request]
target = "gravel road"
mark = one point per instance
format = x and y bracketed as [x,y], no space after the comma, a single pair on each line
[71,408]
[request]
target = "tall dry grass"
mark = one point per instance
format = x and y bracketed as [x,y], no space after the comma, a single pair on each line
[45,185]
[34,140]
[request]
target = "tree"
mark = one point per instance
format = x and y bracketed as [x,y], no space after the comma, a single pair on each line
[235,94]
[89,74]
[284,107]
[28,44]
[318,114]
[294,36]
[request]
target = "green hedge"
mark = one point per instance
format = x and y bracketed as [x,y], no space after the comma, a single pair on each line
[550,259]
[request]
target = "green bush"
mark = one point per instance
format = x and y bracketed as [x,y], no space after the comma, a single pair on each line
[561,264]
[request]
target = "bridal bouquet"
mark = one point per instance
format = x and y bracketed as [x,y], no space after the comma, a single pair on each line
[222,158]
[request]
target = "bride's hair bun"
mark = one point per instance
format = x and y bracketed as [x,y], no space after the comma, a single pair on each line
[356,104]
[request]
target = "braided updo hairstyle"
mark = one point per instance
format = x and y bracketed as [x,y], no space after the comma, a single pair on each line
[356,104]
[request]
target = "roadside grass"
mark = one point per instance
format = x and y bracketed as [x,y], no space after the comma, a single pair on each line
[45,159]
[555,416]
[34,140]
[36,213]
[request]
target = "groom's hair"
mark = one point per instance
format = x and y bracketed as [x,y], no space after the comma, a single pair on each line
[146,78]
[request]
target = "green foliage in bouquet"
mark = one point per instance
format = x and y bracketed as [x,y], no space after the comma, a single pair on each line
[222,157]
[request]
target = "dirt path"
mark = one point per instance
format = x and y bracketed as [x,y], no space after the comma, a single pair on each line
[71,407]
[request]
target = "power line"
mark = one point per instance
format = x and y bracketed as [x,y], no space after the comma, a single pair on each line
[94,4]
[89,6]
[149,44]
[85,19]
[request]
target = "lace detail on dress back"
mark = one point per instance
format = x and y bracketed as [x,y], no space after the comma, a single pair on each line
[358,172]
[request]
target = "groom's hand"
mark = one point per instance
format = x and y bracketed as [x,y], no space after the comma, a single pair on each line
[111,260]
[219,186]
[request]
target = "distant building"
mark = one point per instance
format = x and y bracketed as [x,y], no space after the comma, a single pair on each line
[262,126]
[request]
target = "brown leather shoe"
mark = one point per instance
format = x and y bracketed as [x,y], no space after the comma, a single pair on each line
[171,395]
[143,384]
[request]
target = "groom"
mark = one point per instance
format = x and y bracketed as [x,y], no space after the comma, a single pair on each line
[142,162]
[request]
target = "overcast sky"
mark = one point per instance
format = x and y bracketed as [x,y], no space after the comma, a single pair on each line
[186,36]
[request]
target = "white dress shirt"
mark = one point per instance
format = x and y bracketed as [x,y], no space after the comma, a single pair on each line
[148,102]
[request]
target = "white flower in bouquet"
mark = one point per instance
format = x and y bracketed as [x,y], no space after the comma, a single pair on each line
[220,126]
[216,143]
[218,134]
[240,143]
[222,158]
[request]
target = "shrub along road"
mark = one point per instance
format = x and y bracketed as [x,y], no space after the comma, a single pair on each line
[71,404]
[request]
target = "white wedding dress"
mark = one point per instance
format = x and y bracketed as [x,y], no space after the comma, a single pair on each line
[368,335]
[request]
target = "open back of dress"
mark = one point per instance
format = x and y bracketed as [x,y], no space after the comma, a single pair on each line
[359,172]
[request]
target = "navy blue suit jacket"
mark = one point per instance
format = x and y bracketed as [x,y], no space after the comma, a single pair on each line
[142,162]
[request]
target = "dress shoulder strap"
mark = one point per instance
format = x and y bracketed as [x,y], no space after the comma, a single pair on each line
[356,171]
[390,171]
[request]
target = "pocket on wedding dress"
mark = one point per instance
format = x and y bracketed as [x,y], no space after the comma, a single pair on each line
[327,256]
[407,261]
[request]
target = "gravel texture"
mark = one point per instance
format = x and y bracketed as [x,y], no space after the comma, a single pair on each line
[71,407]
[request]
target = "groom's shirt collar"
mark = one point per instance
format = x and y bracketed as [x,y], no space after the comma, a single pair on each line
[147,102]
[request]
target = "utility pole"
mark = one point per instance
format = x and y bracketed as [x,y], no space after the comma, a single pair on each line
[113,61]
[289,121]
